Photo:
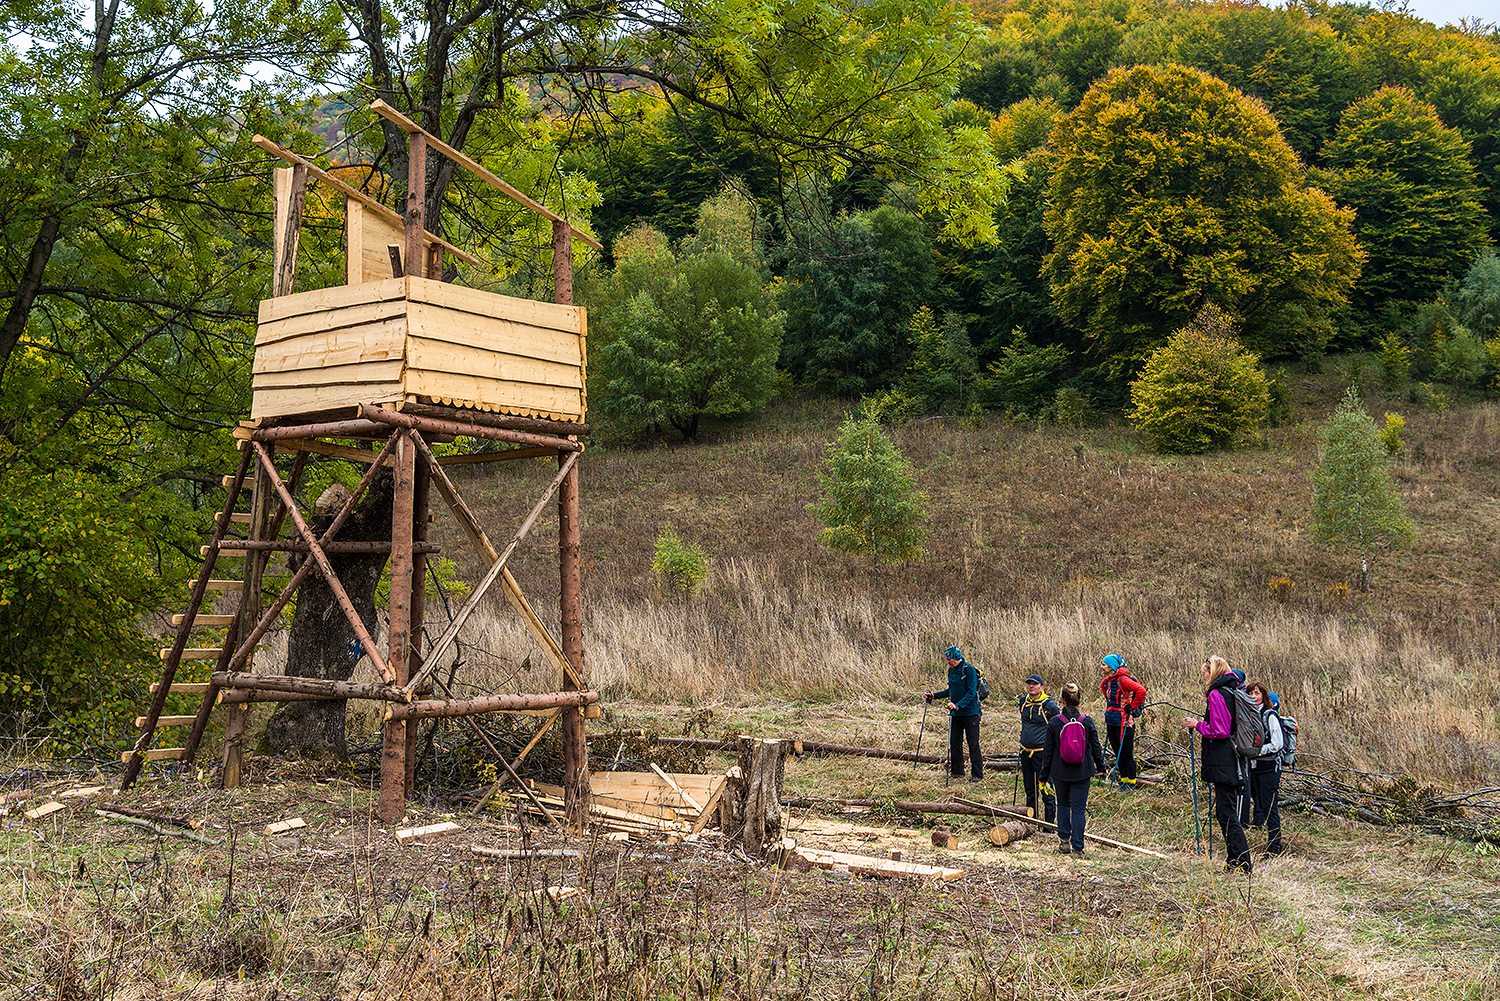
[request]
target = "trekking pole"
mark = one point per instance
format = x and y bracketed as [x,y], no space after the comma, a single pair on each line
[948,768]
[1193,771]
[1016,791]
[915,760]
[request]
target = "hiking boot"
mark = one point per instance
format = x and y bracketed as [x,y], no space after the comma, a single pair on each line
[976,778]
[1077,851]
[1272,852]
[1065,849]
[1243,868]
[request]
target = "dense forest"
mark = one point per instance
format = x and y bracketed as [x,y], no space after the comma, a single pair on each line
[1005,212]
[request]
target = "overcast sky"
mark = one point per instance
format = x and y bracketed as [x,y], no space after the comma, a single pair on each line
[1441,12]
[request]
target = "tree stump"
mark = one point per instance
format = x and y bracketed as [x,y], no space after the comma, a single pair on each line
[756,794]
[1015,830]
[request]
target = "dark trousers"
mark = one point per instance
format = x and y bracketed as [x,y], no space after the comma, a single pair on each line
[1122,742]
[1227,812]
[960,727]
[1032,780]
[1072,808]
[1265,789]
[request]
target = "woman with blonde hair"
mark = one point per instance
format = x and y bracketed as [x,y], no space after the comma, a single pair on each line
[1222,766]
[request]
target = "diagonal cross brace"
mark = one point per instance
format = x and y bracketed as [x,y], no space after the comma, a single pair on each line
[446,640]
[316,551]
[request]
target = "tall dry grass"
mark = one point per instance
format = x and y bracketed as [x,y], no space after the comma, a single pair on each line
[1047,548]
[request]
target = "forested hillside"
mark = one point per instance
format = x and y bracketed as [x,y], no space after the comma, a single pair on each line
[1098,214]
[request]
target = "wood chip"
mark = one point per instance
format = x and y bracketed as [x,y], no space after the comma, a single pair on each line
[44,810]
[282,826]
[430,831]
[563,892]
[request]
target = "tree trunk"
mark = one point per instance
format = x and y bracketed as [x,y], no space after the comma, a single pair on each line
[322,643]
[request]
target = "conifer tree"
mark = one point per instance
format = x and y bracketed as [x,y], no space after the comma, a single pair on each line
[1354,501]
[871,506]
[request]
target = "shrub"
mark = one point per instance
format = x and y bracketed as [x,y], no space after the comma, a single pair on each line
[1020,381]
[681,568]
[1391,436]
[1072,407]
[1395,359]
[1200,391]
[1459,358]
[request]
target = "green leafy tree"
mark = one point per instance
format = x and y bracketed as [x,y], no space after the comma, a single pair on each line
[681,336]
[1171,189]
[1023,381]
[1476,304]
[850,293]
[1200,391]
[1415,197]
[1354,501]
[680,566]
[871,505]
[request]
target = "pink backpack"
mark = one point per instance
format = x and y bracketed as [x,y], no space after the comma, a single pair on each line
[1073,742]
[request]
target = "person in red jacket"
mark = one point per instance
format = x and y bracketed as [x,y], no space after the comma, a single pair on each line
[1123,698]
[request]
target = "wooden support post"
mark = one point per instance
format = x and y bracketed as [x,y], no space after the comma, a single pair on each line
[393,752]
[435,262]
[290,184]
[416,197]
[237,716]
[421,493]
[570,570]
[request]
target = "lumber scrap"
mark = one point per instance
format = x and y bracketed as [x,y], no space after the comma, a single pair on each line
[1003,834]
[867,865]
[45,810]
[690,801]
[282,826]
[518,854]
[429,831]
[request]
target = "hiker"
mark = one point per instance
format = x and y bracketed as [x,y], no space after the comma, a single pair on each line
[1265,772]
[1037,709]
[1072,748]
[1221,763]
[962,694]
[1123,698]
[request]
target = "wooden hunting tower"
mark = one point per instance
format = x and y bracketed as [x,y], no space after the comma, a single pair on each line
[397,358]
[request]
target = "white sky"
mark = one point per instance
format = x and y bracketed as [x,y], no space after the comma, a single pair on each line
[1441,12]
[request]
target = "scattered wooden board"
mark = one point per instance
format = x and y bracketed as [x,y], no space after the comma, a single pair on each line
[430,831]
[46,809]
[84,791]
[282,826]
[868,866]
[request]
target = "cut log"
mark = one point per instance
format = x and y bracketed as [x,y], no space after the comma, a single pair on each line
[944,838]
[1015,830]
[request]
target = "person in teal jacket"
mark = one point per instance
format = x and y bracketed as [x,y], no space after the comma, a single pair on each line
[964,713]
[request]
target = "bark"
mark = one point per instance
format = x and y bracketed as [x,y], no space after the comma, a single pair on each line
[322,644]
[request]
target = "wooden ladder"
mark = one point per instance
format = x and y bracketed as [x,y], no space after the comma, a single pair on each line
[206,588]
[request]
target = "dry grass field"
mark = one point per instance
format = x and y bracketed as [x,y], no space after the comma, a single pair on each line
[1047,548]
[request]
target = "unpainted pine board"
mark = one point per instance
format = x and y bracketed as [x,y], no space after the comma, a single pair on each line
[282,826]
[368,336]
[693,782]
[508,334]
[441,360]
[327,320]
[376,234]
[367,373]
[156,754]
[519,398]
[354,225]
[286,402]
[551,315]
[322,300]
[871,866]
[202,621]
[45,810]
[430,831]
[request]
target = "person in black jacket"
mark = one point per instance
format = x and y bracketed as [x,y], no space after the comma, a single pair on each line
[1223,768]
[964,713]
[1037,708]
[1070,780]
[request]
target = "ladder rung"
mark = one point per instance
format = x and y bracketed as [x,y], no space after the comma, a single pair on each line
[155,754]
[140,721]
[204,621]
[228,479]
[183,688]
[195,653]
[223,585]
[224,554]
[239,517]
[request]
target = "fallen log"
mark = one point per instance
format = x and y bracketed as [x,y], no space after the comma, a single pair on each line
[967,809]
[1001,762]
[944,838]
[1090,837]
[156,818]
[1015,830]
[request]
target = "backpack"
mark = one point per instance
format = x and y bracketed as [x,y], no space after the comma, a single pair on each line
[1249,734]
[1072,743]
[1288,742]
[981,687]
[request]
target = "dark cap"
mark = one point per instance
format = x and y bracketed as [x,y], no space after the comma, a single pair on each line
[1035,679]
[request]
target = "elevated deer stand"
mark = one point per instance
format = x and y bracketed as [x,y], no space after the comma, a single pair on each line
[399,359]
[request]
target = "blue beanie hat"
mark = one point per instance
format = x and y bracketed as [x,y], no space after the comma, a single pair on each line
[1271,698]
[954,653]
[1238,674]
[1113,662]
